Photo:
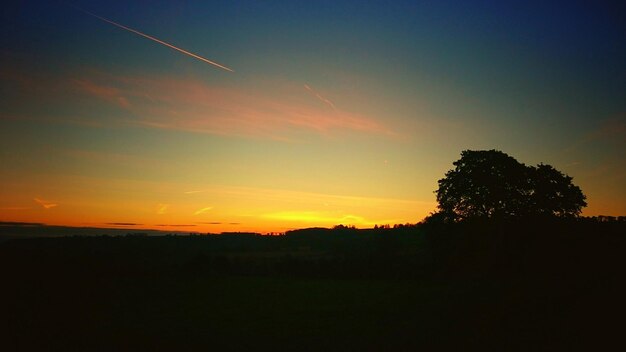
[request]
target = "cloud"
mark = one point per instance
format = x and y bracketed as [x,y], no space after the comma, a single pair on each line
[108,93]
[20,224]
[45,204]
[608,131]
[203,210]
[317,217]
[123,224]
[218,223]
[281,206]
[175,225]
[611,128]
[162,208]
[258,108]
[275,110]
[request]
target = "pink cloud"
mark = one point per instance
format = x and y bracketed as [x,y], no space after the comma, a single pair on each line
[275,110]
[260,108]
[610,130]
[108,93]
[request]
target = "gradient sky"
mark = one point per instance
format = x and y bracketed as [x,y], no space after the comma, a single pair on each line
[337,112]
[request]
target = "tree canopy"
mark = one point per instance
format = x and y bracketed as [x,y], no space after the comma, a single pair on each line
[490,183]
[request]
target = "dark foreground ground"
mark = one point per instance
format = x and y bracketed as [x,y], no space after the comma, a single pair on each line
[490,286]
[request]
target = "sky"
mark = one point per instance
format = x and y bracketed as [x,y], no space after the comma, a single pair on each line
[319,113]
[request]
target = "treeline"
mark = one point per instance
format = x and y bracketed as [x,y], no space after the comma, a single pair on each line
[604,218]
[476,248]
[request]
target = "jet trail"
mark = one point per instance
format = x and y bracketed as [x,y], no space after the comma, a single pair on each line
[320,97]
[45,204]
[159,41]
[200,211]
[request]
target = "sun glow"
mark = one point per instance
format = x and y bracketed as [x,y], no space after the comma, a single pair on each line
[173,207]
[330,119]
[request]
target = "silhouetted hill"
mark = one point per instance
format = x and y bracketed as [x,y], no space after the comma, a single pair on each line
[10,230]
[484,284]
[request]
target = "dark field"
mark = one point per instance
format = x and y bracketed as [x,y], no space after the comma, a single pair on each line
[491,286]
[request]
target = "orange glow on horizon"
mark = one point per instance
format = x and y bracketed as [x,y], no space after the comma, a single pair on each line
[235,209]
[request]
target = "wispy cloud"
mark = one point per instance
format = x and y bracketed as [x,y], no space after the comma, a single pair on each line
[273,110]
[219,223]
[20,224]
[175,225]
[202,210]
[162,208]
[315,208]
[45,204]
[108,93]
[318,217]
[261,108]
[612,130]
[123,224]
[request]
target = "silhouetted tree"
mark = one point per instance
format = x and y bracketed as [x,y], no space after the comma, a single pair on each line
[554,194]
[490,183]
[483,184]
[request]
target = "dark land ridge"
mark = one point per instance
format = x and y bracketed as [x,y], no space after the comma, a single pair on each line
[551,284]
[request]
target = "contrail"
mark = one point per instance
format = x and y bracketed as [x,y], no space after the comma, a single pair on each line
[162,208]
[324,100]
[159,41]
[194,192]
[45,204]
[200,211]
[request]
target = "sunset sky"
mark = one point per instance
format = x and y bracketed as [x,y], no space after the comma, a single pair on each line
[337,112]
